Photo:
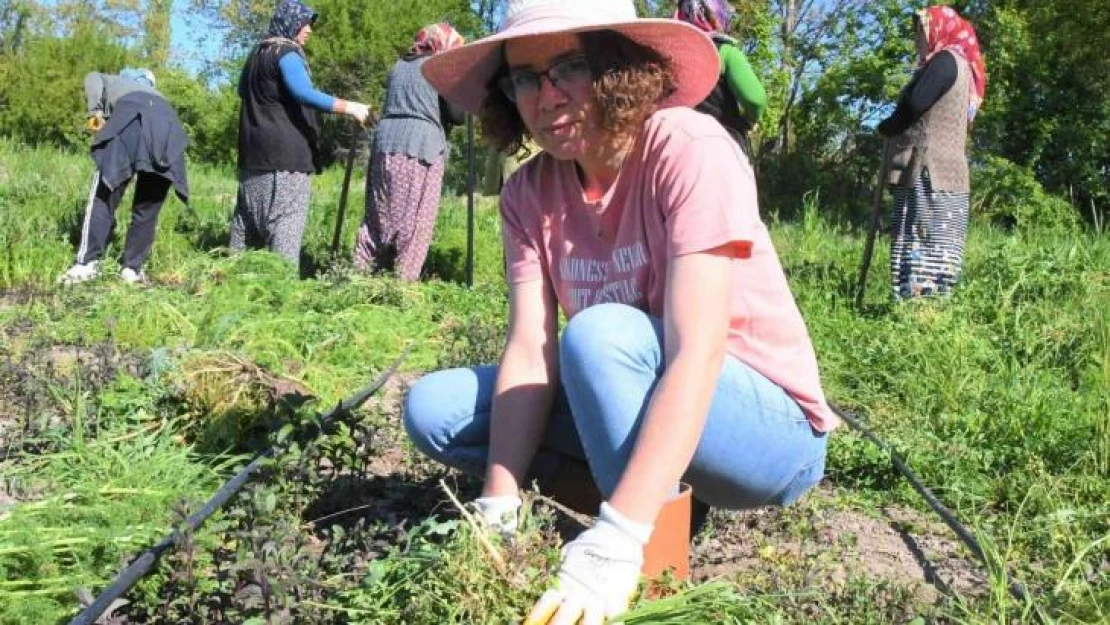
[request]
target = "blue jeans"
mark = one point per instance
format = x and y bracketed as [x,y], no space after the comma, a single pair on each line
[757,447]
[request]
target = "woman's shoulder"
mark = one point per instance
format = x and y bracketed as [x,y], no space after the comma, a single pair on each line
[407,71]
[542,176]
[948,57]
[405,65]
[721,39]
[278,47]
[410,62]
[678,125]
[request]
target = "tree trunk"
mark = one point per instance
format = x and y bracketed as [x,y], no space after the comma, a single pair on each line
[789,10]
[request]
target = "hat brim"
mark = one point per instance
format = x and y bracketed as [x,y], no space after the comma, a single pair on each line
[461,75]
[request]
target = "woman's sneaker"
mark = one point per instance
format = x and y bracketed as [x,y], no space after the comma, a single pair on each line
[80,273]
[130,276]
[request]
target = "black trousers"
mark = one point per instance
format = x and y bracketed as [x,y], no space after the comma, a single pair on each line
[100,219]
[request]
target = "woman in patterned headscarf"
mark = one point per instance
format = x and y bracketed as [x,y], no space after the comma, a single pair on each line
[278,148]
[407,162]
[924,157]
[738,100]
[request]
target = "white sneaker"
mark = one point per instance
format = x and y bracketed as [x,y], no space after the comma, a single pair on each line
[130,276]
[80,273]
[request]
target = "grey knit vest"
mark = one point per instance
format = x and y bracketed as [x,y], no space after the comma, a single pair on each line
[937,140]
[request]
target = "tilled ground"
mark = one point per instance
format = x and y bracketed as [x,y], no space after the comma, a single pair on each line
[822,543]
[901,558]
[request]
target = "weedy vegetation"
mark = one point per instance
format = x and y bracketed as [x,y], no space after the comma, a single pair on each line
[122,409]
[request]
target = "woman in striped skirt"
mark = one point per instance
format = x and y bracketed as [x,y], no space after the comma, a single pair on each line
[925,155]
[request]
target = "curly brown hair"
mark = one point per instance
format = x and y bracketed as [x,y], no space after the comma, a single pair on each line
[630,80]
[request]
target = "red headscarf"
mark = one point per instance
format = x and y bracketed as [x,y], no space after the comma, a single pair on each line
[946,30]
[435,39]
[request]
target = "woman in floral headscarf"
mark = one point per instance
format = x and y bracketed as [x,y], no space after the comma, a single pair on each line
[738,100]
[924,156]
[407,162]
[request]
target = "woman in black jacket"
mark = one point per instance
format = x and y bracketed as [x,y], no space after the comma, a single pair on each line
[138,136]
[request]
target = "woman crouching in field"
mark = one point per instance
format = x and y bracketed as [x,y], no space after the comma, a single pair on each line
[684,357]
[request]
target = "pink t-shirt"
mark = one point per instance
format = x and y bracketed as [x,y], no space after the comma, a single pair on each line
[685,187]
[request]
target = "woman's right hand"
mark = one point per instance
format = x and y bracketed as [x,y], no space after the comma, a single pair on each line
[95,122]
[500,514]
[358,110]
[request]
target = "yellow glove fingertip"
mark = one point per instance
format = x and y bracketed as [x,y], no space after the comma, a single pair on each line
[544,609]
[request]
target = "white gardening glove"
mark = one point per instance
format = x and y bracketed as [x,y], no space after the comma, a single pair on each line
[358,110]
[598,574]
[500,514]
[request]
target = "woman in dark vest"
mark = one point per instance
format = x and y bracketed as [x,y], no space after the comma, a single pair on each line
[278,135]
[738,100]
[407,162]
[924,156]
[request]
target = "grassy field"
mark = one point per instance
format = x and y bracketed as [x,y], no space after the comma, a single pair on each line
[122,409]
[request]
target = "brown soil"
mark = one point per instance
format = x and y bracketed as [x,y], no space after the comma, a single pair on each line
[824,543]
[29,377]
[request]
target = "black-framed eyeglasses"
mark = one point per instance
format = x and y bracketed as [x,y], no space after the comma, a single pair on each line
[524,84]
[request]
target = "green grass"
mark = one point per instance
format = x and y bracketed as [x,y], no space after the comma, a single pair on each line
[999,397]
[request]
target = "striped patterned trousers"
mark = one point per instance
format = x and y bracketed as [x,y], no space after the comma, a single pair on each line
[100,219]
[928,234]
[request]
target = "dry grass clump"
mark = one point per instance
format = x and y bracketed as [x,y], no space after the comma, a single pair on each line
[230,399]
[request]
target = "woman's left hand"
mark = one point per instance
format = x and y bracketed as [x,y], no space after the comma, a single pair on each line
[597,577]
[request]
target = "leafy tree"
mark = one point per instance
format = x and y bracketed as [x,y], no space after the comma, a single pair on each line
[832,69]
[14,18]
[41,85]
[209,113]
[1048,99]
[156,33]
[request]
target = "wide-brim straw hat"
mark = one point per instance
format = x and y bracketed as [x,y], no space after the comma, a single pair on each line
[462,74]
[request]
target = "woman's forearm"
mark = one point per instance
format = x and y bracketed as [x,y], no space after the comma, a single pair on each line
[522,402]
[669,435]
[695,333]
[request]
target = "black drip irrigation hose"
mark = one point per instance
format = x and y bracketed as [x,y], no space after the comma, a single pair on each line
[142,565]
[1016,589]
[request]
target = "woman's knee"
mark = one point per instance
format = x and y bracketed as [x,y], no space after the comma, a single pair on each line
[439,404]
[606,331]
[770,483]
[805,480]
[427,413]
